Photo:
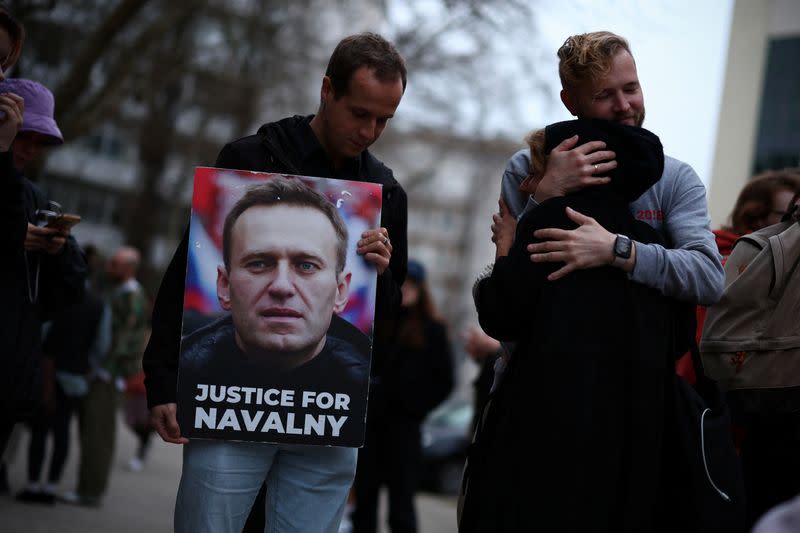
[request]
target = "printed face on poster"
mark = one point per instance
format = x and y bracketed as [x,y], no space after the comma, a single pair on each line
[278,309]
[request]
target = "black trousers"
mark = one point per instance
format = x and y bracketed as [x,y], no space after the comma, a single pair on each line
[41,426]
[6,428]
[390,457]
[770,462]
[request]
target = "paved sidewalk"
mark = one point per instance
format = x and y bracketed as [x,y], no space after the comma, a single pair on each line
[134,502]
[144,501]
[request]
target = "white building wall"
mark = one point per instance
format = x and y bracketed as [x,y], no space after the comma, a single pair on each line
[754,23]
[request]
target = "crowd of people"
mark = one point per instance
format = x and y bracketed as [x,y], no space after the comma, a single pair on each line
[590,317]
[69,346]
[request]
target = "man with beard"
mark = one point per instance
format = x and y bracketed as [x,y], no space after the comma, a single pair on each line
[599,80]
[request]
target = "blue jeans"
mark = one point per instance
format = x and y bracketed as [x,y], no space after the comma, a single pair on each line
[307,486]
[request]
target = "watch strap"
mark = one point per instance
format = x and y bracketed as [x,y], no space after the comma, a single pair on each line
[620,260]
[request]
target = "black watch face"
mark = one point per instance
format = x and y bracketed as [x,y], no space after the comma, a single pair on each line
[622,247]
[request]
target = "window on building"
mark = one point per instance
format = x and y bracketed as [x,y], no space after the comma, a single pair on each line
[778,137]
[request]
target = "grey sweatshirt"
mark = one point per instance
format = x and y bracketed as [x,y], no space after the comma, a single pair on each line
[690,268]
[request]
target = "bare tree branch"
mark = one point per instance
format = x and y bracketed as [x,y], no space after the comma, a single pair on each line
[78,119]
[78,79]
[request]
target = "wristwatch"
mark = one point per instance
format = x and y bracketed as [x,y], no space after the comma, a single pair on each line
[622,250]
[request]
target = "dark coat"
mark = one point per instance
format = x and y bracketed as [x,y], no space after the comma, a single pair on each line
[414,379]
[573,437]
[417,376]
[73,333]
[287,146]
[60,283]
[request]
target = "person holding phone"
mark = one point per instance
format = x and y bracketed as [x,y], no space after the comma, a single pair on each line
[45,269]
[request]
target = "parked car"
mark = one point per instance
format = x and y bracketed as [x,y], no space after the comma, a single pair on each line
[445,436]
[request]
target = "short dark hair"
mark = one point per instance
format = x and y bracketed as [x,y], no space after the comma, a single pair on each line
[17,34]
[285,191]
[364,50]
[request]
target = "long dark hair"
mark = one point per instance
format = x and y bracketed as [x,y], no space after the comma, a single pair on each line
[755,200]
[16,32]
[411,332]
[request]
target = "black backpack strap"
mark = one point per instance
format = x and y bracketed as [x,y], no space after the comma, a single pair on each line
[706,387]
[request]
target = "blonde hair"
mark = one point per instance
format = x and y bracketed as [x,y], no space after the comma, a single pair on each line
[588,56]
[535,140]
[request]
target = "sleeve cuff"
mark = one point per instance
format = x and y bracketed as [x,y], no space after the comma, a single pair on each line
[646,259]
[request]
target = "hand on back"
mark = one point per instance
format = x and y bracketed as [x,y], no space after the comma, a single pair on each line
[571,168]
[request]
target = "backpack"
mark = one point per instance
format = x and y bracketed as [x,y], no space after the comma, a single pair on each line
[751,339]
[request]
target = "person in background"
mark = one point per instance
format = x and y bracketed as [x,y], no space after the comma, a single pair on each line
[43,269]
[762,202]
[417,376]
[98,407]
[767,440]
[12,37]
[80,333]
[137,417]
[785,517]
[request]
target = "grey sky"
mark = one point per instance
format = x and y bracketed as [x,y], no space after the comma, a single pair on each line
[680,48]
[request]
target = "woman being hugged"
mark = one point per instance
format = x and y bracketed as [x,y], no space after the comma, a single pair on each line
[574,437]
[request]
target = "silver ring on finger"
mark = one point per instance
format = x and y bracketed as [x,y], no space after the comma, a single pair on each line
[595,169]
[386,241]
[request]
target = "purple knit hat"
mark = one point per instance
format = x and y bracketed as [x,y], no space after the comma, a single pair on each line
[39,107]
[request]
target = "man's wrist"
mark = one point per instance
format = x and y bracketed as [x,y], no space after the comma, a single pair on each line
[541,193]
[626,264]
[501,249]
[621,251]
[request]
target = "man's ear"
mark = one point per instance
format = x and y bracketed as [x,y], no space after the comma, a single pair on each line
[342,292]
[326,91]
[569,101]
[223,288]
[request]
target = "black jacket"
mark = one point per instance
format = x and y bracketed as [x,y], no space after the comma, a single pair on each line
[73,332]
[60,283]
[579,415]
[289,147]
[414,379]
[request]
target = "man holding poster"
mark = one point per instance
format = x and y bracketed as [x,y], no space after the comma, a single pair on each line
[307,485]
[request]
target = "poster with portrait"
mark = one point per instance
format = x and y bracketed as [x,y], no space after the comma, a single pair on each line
[278,309]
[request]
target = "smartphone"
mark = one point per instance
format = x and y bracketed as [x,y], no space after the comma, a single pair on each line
[63,222]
